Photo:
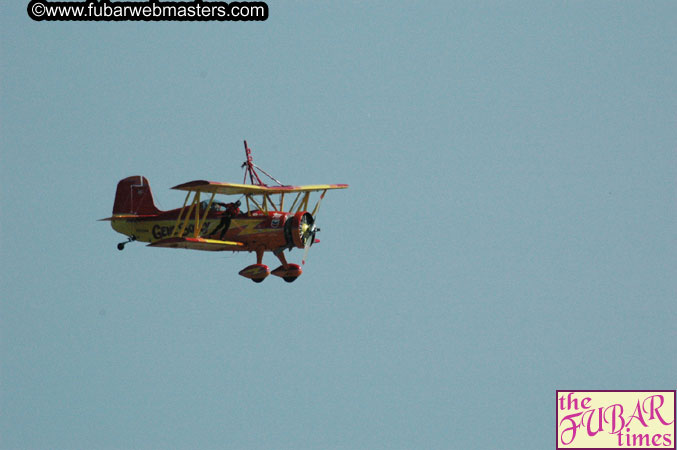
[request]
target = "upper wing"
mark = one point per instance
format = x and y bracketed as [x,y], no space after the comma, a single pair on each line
[213,245]
[238,189]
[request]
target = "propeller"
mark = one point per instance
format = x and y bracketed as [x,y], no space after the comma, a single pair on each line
[309,228]
[309,239]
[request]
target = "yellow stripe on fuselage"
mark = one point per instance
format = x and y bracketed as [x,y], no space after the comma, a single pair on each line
[154,230]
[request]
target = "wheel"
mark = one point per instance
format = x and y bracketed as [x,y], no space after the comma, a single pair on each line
[257,280]
[121,246]
[289,279]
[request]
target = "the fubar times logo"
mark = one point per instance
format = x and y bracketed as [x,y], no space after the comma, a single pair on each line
[609,420]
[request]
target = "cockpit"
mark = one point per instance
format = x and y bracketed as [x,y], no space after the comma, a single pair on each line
[219,207]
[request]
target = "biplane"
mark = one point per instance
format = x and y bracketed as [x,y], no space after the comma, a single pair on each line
[267,223]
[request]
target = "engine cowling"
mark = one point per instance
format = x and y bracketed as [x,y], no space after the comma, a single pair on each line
[295,229]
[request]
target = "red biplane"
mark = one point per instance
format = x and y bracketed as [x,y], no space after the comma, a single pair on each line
[206,224]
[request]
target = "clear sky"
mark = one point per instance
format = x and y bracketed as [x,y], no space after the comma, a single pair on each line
[509,228]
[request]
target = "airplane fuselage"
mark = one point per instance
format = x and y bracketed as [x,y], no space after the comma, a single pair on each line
[255,230]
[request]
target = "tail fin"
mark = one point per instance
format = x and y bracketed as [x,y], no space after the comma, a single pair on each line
[133,196]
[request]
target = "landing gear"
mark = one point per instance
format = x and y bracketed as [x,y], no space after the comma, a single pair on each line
[288,272]
[121,245]
[258,272]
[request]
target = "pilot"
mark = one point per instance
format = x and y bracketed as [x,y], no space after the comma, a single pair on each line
[232,210]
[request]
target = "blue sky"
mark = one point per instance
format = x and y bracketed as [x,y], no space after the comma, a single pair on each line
[509,228]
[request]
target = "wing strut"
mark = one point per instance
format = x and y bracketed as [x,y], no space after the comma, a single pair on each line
[182,221]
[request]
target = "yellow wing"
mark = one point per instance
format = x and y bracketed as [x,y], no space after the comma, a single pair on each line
[249,189]
[213,245]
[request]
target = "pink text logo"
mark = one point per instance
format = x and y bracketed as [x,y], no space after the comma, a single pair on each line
[615,419]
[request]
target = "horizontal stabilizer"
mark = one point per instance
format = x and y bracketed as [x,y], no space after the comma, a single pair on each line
[213,245]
